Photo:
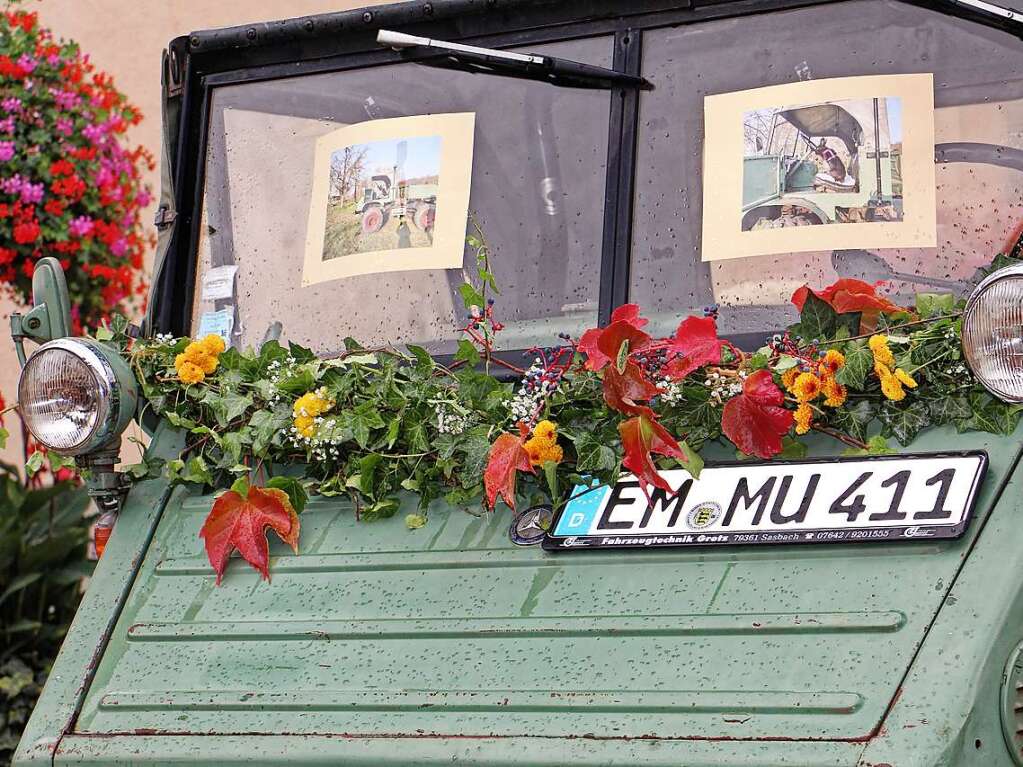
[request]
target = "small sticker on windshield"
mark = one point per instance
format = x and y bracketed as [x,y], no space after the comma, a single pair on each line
[218,283]
[217,323]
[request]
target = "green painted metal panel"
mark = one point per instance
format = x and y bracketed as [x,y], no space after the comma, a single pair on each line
[452,635]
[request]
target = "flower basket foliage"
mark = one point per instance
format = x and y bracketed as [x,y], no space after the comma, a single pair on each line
[70,186]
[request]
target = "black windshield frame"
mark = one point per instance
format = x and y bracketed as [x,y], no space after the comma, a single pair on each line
[204,61]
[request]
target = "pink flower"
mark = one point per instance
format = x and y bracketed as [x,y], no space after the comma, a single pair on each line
[120,247]
[11,185]
[6,150]
[31,193]
[10,104]
[94,133]
[7,125]
[80,226]
[63,125]
[27,63]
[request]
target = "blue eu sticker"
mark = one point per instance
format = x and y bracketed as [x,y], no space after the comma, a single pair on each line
[582,509]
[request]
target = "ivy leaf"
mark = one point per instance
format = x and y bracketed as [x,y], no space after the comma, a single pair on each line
[945,410]
[859,361]
[817,319]
[693,460]
[470,296]
[990,415]
[754,420]
[227,407]
[415,521]
[383,509]
[903,422]
[362,421]
[35,462]
[241,522]
[507,457]
[593,455]
[792,449]
[294,489]
[854,418]
[642,436]
[467,353]
[935,304]
[424,362]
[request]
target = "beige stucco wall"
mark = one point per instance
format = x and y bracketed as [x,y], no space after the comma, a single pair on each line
[125,38]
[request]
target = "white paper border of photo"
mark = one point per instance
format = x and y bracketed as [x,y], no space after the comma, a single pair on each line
[723,237]
[454,181]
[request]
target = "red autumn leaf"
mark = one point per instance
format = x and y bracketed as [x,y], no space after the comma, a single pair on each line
[848,295]
[507,456]
[622,390]
[755,420]
[641,436]
[629,313]
[697,341]
[622,318]
[237,522]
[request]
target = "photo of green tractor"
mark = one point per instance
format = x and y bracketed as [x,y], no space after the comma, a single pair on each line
[825,163]
[382,196]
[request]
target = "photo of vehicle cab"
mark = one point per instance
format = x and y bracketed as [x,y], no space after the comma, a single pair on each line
[455,643]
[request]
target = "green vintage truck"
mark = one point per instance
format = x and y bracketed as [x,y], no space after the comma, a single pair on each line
[453,643]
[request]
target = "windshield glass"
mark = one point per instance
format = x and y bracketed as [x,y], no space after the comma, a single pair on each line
[537,156]
[977,111]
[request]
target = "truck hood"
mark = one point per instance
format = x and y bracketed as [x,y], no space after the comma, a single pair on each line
[452,631]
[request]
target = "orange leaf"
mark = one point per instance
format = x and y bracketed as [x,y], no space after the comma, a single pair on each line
[755,420]
[237,522]
[507,455]
[642,436]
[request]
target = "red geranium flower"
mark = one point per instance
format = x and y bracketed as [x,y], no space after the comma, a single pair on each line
[26,232]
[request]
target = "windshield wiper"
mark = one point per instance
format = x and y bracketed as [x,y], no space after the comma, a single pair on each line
[529,66]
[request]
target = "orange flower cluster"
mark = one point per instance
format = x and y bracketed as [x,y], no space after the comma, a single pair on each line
[807,385]
[894,380]
[199,359]
[543,445]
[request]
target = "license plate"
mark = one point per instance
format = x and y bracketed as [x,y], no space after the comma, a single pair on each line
[838,500]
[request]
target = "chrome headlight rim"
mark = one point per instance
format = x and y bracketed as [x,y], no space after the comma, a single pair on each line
[974,304]
[108,392]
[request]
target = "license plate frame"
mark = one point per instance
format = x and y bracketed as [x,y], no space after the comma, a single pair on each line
[690,529]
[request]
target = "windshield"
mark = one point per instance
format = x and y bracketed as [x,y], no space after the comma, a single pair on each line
[978,105]
[537,155]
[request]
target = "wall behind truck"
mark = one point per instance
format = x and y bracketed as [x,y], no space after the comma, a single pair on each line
[125,38]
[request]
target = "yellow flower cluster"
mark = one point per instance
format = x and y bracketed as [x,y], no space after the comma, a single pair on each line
[807,386]
[543,445]
[199,359]
[308,408]
[893,382]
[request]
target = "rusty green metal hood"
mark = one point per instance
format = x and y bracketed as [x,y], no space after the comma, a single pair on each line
[378,632]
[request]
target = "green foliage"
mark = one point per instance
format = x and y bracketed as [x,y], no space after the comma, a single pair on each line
[43,540]
[388,422]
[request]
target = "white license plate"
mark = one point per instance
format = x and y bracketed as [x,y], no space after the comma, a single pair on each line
[846,500]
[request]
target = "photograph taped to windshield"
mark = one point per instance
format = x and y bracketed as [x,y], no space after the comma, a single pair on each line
[978,155]
[778,180]
[389,196]
[819,146]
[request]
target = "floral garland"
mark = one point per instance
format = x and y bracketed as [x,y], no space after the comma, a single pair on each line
[372,423]
[68,187]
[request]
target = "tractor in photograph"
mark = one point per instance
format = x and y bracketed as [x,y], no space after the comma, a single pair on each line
[385,196]
[779,186]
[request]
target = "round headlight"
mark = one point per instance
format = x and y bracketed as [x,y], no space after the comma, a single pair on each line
[993,333]
[74,397]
